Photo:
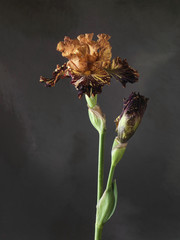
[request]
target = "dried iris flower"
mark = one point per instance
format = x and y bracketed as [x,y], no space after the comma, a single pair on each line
[90,66]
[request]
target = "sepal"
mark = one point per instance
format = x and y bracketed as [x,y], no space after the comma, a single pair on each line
[121,71]
[91,101]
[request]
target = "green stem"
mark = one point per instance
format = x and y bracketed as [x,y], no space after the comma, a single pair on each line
[100,166]
[98,233]
[98,230]
[110,177]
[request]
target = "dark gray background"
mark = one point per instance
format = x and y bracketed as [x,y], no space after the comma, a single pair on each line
[48,149]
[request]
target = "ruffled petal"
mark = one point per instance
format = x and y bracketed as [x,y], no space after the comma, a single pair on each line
[83,53]
[68,47]
[120,70]
[105,54]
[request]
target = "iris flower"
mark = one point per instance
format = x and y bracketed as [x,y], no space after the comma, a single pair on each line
[89,65]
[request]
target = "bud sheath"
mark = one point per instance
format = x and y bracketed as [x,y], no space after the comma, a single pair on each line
[117,151]
[97,118]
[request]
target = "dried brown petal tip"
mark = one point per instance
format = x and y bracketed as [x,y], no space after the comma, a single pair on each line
[59,73]
[49,82]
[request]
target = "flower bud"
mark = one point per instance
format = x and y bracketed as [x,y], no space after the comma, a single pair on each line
[131,116]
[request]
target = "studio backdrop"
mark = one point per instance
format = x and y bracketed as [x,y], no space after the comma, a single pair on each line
[48,148]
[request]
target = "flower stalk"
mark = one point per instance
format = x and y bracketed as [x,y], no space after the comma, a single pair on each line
[97,119]
[98,232]
[100,178]
[100,166]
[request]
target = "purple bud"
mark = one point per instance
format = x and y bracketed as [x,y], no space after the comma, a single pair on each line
[131,116]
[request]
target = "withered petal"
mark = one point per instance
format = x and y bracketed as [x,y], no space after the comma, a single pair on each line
[104,47]
[90,84]
[59,73]
[83,52]
[120,70]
